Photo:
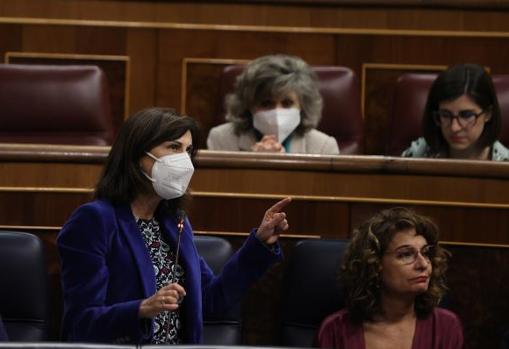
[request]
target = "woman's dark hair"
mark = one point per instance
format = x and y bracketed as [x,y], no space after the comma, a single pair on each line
[462,79]
[361,270]
[122,180]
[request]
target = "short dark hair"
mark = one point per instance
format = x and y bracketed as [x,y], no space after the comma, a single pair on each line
[122,180]
[362,263]
[462,79]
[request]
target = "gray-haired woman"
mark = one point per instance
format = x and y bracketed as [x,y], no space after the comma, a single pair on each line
[276,107]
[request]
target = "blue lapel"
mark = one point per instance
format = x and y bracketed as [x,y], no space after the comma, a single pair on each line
[128,227]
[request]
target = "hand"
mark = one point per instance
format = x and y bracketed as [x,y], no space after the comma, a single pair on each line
[166,299]
[273,222]
[268,143]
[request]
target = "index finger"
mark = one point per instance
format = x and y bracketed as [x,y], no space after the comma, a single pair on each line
[278,206]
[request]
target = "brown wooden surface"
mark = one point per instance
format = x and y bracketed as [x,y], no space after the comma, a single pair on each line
[463,17]
[41,185]
[454,4]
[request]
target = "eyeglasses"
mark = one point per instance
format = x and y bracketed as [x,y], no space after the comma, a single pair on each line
[408,255]
[466,118]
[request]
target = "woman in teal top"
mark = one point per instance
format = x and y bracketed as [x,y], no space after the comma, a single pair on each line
[462,118]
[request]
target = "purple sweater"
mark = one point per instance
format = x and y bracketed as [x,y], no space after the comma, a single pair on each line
[440,330]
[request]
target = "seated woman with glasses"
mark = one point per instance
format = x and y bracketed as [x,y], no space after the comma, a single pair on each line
[393,271]
[462,118]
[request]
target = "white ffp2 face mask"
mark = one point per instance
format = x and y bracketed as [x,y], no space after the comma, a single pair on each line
[171,174]
[280,122]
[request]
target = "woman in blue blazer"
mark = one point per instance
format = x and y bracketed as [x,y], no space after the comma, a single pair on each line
[130,270]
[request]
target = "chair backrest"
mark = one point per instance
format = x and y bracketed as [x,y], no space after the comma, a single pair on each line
[226,329]
[24,302]
[501,83]
[410,98]
[54,104]
[312,290]
[341,115]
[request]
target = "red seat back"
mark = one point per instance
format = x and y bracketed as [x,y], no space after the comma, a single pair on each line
[54,104]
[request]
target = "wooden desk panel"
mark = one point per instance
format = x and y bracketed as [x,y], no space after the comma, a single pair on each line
[42,185]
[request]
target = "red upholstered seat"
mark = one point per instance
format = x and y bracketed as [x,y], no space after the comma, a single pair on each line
[54,104]
[409,103]
[341,115]
[408,108]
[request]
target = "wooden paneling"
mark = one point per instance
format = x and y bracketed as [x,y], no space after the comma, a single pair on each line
[142,51]
[459,224]
[38,208]
[438,190]
[174,47]
[42,39]
[237,214]
[350,15]
[331,194]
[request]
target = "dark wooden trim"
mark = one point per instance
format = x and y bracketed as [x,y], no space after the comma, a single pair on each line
[52,153]
[297,162]
[446,4]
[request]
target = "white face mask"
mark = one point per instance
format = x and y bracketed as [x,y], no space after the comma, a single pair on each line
[171,174]
[280,122]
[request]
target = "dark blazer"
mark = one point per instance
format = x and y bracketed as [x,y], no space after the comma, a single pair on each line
[107,272]
[3,332]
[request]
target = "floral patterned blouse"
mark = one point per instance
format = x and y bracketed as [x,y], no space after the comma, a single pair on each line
[420,149]
[167,325]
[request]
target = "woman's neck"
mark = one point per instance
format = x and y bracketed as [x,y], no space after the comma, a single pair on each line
[471,153]
[144,206]
[396,308]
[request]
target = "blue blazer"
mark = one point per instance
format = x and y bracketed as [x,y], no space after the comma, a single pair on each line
[3,332]
[107,272]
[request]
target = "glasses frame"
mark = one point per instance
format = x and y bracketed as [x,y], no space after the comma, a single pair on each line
[438,119]
[427,255]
